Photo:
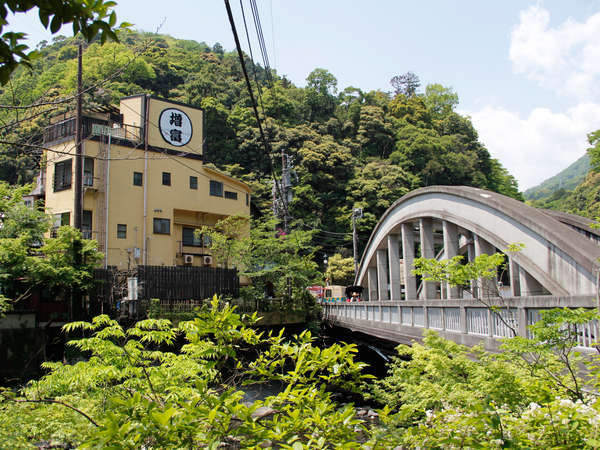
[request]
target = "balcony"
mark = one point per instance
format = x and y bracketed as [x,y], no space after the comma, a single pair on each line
[65,129]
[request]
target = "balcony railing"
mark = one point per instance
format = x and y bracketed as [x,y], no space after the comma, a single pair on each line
[91,126]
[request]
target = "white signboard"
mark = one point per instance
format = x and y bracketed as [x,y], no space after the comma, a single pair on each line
[175,127]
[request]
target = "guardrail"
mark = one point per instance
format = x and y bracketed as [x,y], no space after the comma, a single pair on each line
[467,322]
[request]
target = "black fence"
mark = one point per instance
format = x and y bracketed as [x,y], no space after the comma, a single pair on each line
[166,283]
[186,283]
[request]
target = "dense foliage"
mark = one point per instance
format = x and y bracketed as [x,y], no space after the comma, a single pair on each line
[529,396]
[155,385]
[278,264]
[88,18]
[134,390]
[28,261]
[349,149]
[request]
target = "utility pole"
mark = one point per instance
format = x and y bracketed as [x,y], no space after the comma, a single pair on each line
[77,210]
[356,214]
[76,294]
[285,185]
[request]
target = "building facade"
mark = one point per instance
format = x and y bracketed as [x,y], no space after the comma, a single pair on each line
[145,188]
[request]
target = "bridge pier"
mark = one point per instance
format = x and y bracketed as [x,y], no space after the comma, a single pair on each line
[372,283]
[485,286]
[394,266]
[450,251]
[427,251]
[382,275]
[408,254]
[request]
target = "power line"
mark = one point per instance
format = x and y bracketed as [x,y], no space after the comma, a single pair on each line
[254,105]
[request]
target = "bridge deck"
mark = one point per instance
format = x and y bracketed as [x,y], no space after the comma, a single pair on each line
[466,322]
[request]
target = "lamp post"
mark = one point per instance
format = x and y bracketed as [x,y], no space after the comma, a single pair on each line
[356,214]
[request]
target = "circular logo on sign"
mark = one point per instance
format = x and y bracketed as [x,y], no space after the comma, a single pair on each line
[175,127]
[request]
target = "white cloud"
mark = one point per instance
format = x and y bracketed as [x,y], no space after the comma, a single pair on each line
[540,145]
[565,58]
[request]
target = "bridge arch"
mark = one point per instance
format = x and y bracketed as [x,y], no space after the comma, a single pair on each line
[559,257]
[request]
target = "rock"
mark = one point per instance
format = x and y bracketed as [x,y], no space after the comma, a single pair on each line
[262,412]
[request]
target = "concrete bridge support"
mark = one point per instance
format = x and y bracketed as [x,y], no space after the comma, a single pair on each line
[427,251]
[394,266]
[382,275]
[372,284]
[450,251]
[408,254]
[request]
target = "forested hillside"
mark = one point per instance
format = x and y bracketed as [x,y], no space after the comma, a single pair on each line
[350,148]
[576,189]
[566,180]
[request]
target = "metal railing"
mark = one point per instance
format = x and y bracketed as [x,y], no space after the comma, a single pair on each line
[460,317]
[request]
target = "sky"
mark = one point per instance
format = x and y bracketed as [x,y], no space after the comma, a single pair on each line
[526,72]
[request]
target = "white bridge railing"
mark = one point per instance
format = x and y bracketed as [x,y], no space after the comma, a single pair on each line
[464,321]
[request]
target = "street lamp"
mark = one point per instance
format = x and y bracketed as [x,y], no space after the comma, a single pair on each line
[356,214]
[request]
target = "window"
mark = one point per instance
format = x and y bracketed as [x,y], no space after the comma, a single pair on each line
[62,175]
[122,231]
[58,220]
[247,200]
[231,195]
[166,178]
[216,188]
[207,240]
[86,224]
[189,238]
[162,226]
[88,171]
[193,182]
[138,178]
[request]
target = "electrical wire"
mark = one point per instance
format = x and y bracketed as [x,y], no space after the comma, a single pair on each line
[254,106]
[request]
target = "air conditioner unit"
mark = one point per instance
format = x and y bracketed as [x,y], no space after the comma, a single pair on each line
[207,260]
[188,259]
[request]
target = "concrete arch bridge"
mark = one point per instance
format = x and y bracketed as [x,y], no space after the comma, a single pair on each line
[558,266]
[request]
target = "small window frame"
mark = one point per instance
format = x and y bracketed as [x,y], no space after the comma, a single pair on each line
[194,241]
[166,178]
[216,188]
[161,226]
[193,182]
[138,179]
[121,231]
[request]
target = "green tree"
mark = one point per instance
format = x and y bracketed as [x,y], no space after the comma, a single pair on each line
[594,150]
[276,258]
[28,261]
[440,100]
[134,390]
[340,270]
[321,89]
[88,18]
[375,133]
[229,243]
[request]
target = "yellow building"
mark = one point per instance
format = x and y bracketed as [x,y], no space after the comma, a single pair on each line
[145,189]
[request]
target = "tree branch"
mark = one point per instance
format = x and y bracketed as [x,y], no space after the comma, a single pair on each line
[58,402]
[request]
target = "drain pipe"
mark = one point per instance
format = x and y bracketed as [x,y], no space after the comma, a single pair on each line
[144,232]
[106,200]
